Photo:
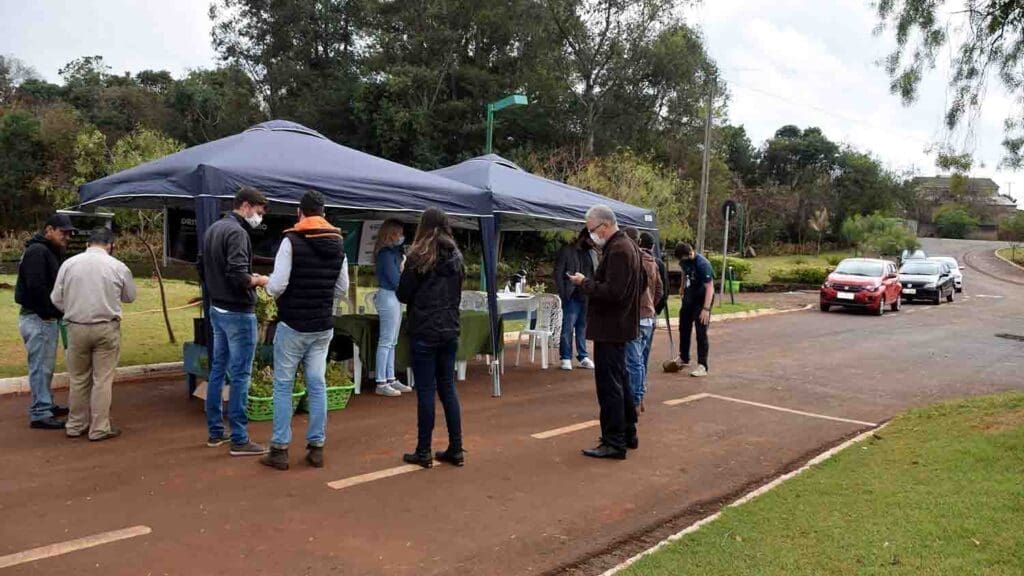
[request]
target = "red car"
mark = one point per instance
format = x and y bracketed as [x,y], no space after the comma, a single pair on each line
[863,283]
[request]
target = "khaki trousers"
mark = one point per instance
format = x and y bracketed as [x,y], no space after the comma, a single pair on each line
[93,351]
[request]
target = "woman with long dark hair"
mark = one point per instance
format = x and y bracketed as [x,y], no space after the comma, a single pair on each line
[388,253]
[431,288]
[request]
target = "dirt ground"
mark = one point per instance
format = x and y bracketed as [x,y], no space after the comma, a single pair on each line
[521,505]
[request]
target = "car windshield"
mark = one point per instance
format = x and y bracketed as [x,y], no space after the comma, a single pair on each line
[920,268]
[859,268]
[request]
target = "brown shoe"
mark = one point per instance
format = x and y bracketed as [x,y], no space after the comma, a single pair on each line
[108,435]
[315,456]
[276,458]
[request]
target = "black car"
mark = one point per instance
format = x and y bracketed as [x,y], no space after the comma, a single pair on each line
[927,280]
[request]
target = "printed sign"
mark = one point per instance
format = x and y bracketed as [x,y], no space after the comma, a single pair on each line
[367,240]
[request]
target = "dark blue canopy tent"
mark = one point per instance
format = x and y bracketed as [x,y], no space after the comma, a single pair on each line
[284,159]
[524,201]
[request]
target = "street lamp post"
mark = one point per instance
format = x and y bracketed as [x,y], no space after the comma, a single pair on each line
[507,101]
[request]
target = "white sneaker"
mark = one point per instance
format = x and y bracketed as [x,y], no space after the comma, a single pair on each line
[386,390]
[397,385]
[700,372]
[587,364]
[566,365]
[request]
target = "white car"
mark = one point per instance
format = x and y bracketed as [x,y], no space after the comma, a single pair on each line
[955,268]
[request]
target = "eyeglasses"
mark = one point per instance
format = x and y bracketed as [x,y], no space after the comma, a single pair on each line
[596,228]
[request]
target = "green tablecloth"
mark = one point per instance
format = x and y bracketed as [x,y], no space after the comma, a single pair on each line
[364,329]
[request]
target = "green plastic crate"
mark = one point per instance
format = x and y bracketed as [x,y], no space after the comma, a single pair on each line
[262,409]
[338,396]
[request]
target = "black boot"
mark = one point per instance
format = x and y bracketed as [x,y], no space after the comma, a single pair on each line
[276,458]
[420,457]
[453,456]
[315,456]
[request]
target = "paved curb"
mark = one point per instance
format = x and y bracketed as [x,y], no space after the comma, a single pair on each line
[1008,261]
[744,315]
[19,384]
[747,498]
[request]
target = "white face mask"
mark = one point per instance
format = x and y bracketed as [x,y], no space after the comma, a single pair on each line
[400,241]
[255,220]
[597,240]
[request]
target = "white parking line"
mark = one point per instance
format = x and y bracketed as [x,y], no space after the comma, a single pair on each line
[690,398]
[566,429]
[791,411]
[378,475]
[60,548]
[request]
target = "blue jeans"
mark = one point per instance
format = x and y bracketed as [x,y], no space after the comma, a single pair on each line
[290,349]
[390,312]
[234,346]
[40,337]
[434,369]
[574,319]
[637,352]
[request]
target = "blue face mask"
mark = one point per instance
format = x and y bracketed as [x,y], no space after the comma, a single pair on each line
[400,241]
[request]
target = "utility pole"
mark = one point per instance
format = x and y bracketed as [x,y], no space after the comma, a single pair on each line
[702,209]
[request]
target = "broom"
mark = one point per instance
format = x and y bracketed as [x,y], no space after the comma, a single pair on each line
[670,365]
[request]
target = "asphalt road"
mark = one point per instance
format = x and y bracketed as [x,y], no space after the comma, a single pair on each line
[521,505]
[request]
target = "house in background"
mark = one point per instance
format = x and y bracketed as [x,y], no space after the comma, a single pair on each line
[981,195]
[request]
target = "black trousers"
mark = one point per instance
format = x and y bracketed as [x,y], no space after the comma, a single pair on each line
[434,369]
[618,415]
[689,318]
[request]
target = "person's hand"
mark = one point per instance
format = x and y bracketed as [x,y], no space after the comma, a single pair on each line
[577,278]
[705,316]
[259,280]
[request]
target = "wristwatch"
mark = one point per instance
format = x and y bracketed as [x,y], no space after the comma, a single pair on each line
[707,309]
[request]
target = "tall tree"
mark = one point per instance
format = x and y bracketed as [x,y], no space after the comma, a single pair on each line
[211,104]
[302,55]
[988,45]
[603,41]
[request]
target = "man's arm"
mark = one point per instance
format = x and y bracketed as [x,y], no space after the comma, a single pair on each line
[617,279]
[658,289]
[57,294]
[341,286]
[282,273]
[237,260]
[128,290]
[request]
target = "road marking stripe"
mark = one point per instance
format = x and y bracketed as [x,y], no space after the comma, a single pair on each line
[791,411]
[691,398]
[566,429]
[60,548]
[378,475]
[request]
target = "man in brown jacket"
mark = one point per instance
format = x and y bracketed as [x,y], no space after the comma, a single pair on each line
[613,319]
[638,351]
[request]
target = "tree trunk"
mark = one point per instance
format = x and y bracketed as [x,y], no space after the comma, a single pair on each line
[160,282]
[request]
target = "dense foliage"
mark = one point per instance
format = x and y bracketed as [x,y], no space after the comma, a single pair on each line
[617,96]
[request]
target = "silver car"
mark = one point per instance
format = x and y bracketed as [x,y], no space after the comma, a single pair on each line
[955,268]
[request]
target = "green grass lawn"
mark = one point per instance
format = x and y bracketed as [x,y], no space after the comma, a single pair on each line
[939,492]
[761,267]
[674,303]
[1013,255]
[143,334]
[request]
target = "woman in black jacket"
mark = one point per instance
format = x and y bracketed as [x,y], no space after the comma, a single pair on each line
[431,288]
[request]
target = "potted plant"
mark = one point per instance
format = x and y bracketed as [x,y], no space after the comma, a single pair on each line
[260,403]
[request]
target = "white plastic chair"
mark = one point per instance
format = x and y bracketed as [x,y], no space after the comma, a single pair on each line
[549,317]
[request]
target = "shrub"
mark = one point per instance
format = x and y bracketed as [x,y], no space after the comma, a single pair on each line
[878,234]
[740,267]
[809,275]
[834,260]
[953,221]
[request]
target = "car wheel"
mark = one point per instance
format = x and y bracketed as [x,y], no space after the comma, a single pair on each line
[825,307]
[950,297]
[898,303]
[881,306]
[938,298]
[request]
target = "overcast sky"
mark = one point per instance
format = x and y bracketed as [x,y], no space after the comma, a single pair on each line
[802,62]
